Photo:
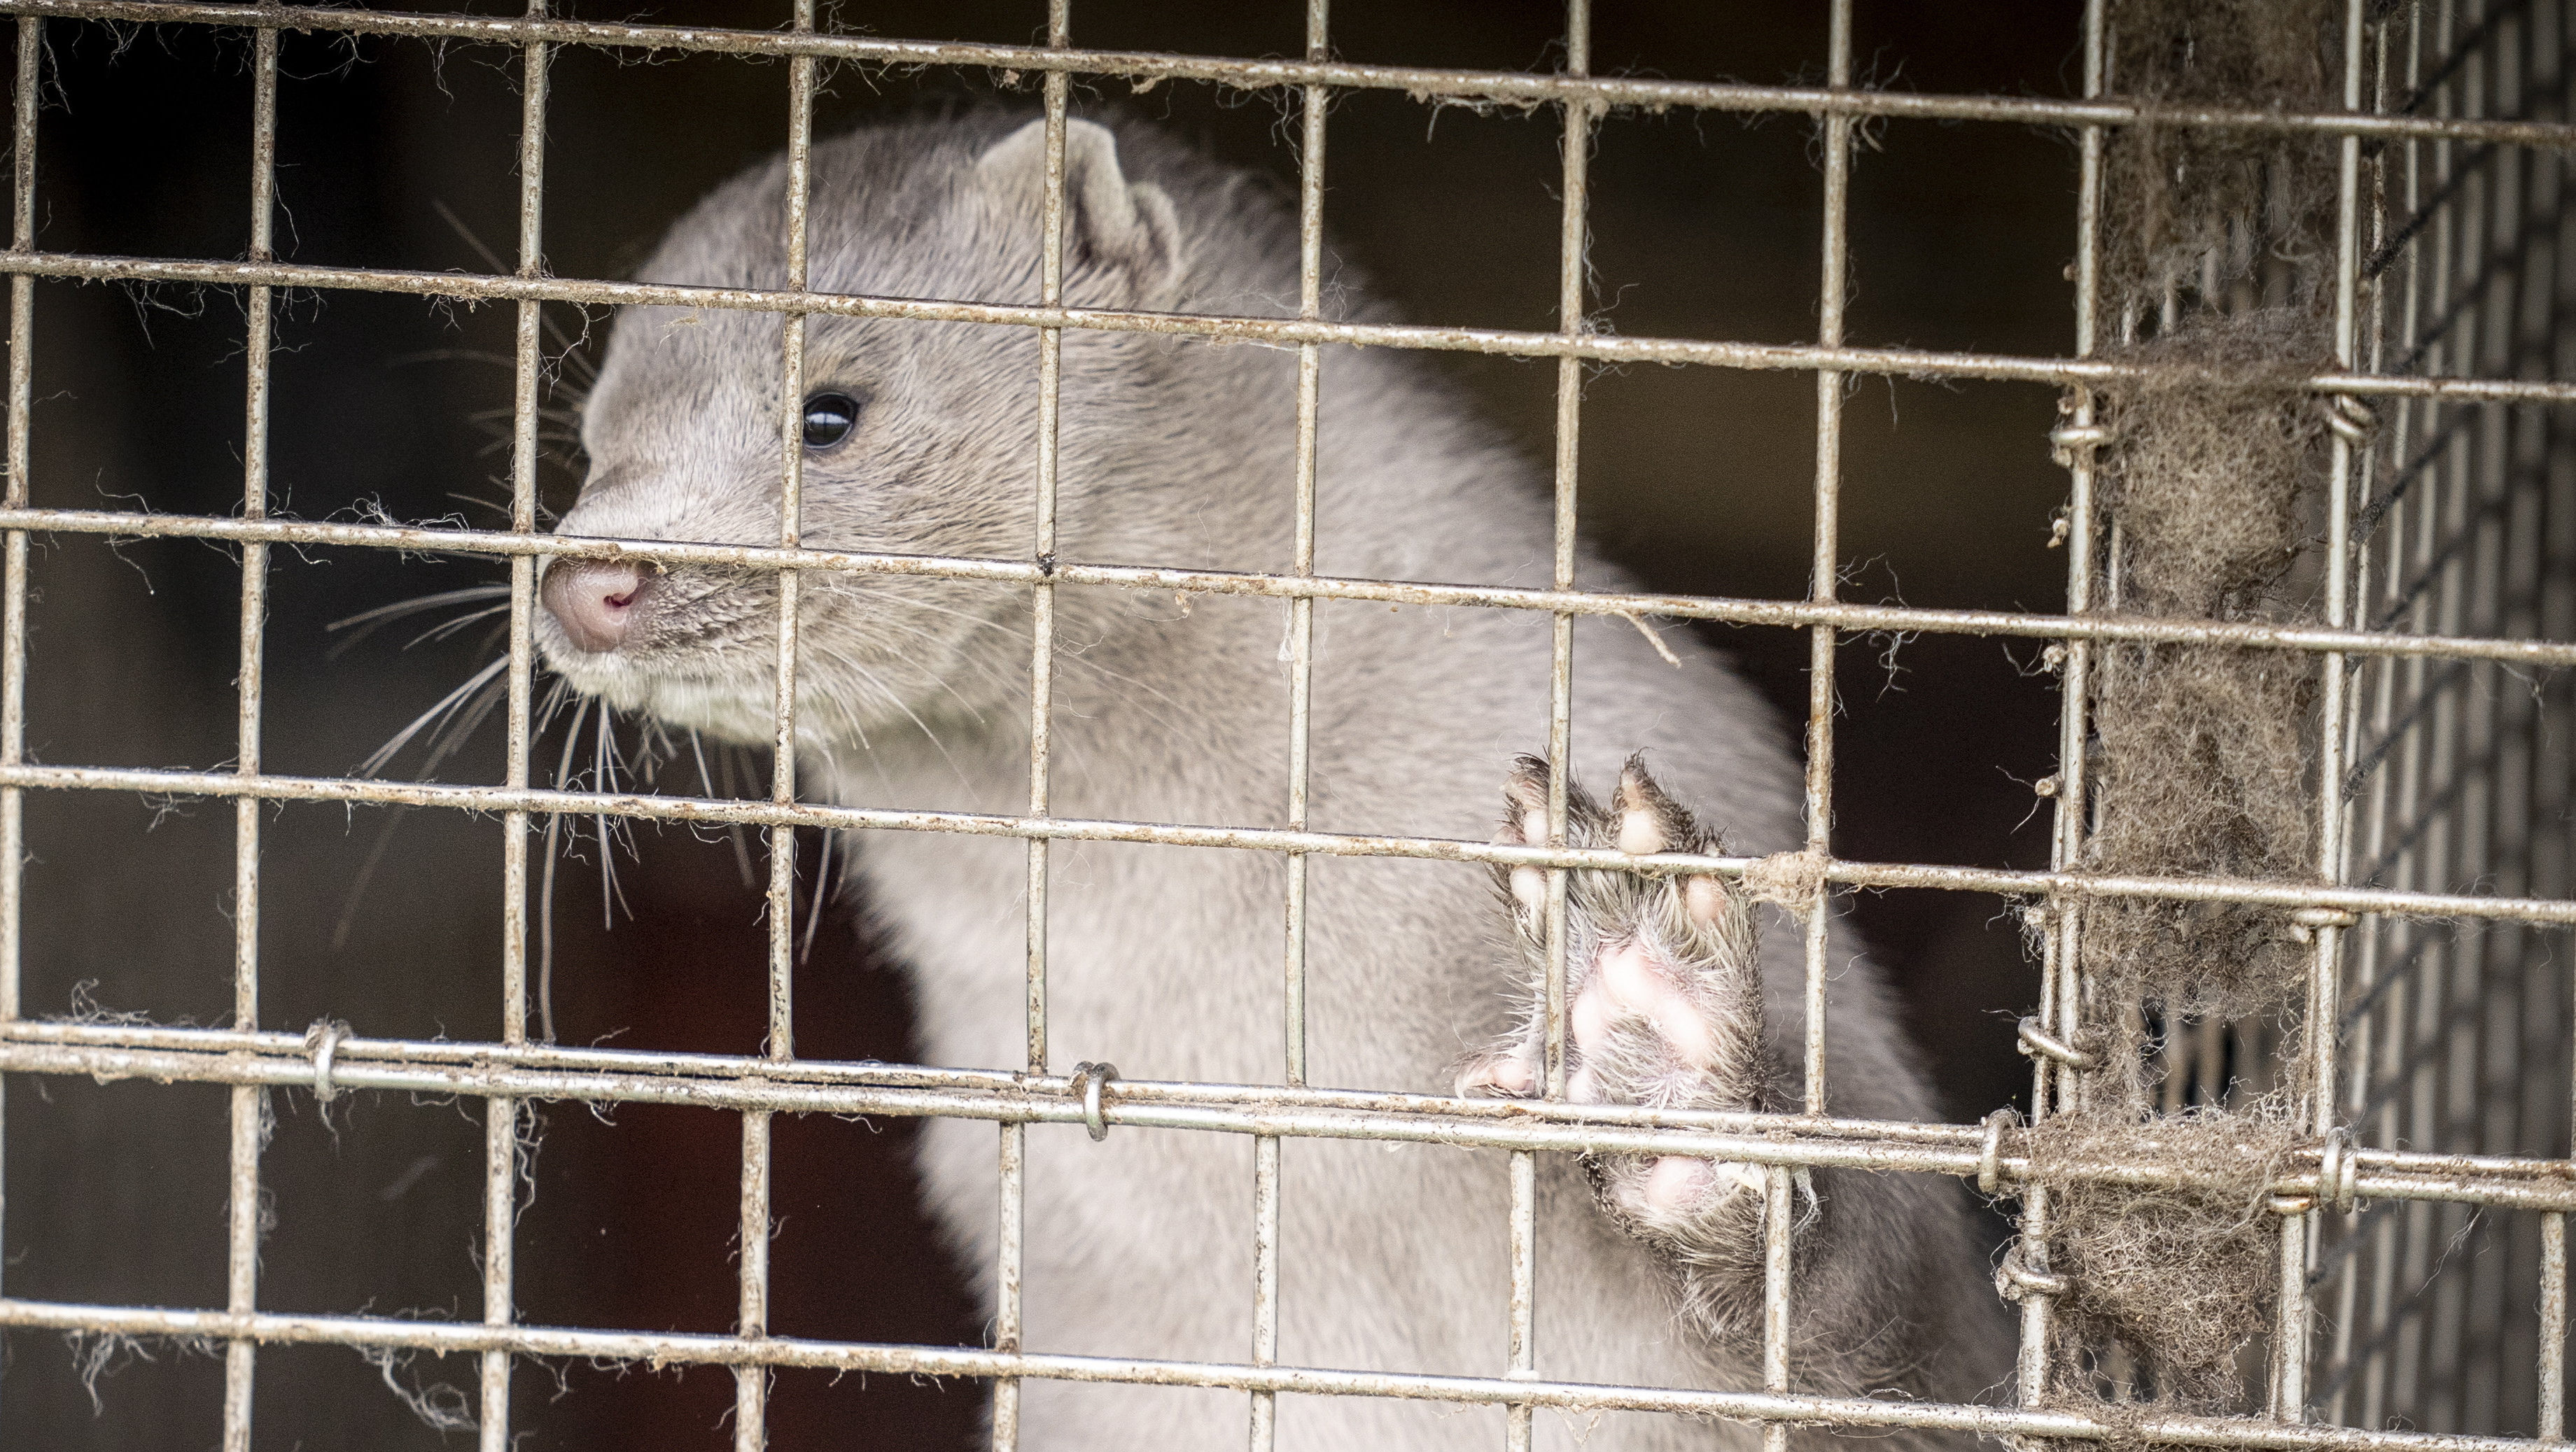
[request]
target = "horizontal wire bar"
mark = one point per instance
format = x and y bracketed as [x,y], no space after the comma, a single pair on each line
[653,807]
[679,1348]
[1599,346]
[176,1055]
[1795,614]
[1430,84]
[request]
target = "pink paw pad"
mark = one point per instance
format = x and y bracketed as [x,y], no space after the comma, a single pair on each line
[1633,985]
[1676,1183]
[1506,1075]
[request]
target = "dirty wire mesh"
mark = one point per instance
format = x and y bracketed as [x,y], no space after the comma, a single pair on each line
[2419,1216]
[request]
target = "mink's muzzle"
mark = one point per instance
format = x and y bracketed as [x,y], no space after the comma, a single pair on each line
[597,603]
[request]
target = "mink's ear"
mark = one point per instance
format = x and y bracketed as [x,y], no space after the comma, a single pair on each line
[1108,221]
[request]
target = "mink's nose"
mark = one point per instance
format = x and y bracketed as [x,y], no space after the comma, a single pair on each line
[595,600]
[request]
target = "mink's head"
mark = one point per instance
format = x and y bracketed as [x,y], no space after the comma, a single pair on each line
[918,437]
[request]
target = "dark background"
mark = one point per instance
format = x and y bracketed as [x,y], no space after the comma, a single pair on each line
[1697,479]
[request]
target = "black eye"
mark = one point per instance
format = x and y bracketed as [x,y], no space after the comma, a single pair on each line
[829,417]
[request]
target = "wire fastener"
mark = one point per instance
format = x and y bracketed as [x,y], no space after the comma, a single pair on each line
[1091,1078]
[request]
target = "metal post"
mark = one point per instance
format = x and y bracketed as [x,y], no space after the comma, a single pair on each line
[502,1116]
[1301,697]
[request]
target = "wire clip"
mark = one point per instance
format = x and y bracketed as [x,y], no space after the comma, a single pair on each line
[2352,420]
[2036,1041]
[1090,1078]
[2066,439]
[2339,1172]
[2023,1273]
[323,1042]
[1990,1160]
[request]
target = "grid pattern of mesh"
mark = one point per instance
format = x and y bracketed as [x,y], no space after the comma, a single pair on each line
[2438,1311]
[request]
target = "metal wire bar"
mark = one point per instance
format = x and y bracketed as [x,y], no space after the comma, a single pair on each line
[901,1360]
[736,1084]
[752,1219]
[2552,1419]
[1014,1151]
[1825,571]
[2291,1336]
[2060,985]
[502,1116]
[1593,346]
[647,807]
[241,1262]
[1816,914]
[2395,795]
[2458,1354]
[1573,238]
[1794,614]
[1301,683]
[13,575]
[350,1048]
[1429,84]
[13,592]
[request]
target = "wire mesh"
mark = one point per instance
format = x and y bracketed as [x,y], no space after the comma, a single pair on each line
[2456,1036]
[2435,1315]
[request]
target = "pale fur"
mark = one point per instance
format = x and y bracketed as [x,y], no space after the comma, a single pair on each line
[1167,961]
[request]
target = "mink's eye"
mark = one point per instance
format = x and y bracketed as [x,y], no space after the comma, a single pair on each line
[829,417]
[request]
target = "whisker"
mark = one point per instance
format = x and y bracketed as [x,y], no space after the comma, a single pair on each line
[554,851]
[822,890]
[462,725]
[368,621]
[493,261]
[604,779]
[729,758]
[386,753]
[447,628]
[870,677]
[366,875]
[546,930]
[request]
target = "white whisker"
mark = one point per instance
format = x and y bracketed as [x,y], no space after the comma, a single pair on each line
[385,753]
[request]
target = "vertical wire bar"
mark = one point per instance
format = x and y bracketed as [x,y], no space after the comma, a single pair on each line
[2553,1325]
[1301,654]
[500,1114]
[751,1383]
[1573,230]
[1014,1188]
[1832,291]
[13,585]
[248,1104]
[2368,948]
[2060,972]
[1777,1207]
[1521,1348]
[2446,1108]
[1831,295]
[2406,1000]
[13,593]
[2291,1336]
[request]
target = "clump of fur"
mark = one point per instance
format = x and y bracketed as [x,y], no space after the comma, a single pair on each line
[2203,772]
[2215,447]
[2235,216]
[2182,1277]
[2204,748]
[2212,245]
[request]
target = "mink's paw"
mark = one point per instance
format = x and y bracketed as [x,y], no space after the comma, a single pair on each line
[1663,991]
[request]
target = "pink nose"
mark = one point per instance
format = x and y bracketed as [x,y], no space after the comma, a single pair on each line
[595,600]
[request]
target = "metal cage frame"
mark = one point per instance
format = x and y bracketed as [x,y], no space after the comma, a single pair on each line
[2387,643]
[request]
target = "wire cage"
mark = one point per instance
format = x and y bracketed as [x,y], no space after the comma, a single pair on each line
[2420,1282]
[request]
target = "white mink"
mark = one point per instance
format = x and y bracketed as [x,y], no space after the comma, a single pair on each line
[1166,961]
